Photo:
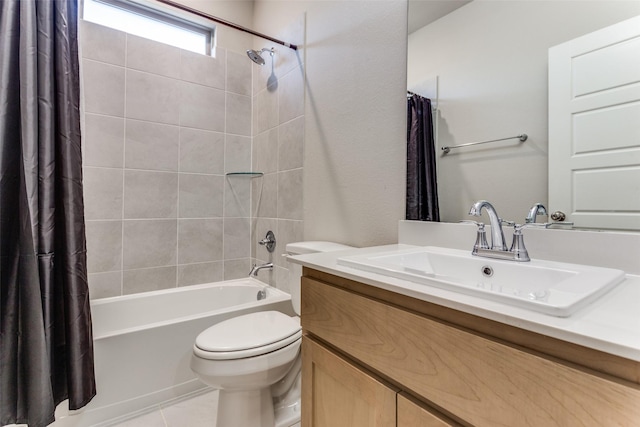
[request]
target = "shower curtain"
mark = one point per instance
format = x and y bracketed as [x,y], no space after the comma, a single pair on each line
[46,346]
[422,188]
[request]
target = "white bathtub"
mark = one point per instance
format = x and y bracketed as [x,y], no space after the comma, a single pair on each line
[143,343]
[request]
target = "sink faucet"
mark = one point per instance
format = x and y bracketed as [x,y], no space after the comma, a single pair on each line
[536,209]
[256,268]
[498,248]
[497,236]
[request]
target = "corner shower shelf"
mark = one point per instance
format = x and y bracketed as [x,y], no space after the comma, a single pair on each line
[245,174]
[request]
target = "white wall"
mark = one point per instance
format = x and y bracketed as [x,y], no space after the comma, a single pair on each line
[355,135]
[491,58]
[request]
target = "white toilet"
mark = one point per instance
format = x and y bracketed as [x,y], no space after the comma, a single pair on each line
[254,360]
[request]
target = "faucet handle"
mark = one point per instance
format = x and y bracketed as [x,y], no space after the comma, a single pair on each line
[517,228]
[518,249]
[269,241]
[481,237]
[507,222]
[469,221]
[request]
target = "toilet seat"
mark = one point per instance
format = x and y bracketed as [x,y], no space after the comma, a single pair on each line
[249,335]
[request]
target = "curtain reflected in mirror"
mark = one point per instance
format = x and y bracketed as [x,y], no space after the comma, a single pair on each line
[422,188]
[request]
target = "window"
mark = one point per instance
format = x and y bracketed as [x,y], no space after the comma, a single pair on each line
[149,23]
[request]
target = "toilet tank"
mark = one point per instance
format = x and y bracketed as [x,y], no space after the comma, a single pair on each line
[295,270]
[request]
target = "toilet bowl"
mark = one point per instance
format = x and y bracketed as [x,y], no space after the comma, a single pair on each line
[254,360]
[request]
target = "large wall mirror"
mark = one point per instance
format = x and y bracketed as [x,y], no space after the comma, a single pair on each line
[486,62]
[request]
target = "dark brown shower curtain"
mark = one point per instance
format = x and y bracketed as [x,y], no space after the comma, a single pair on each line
[46,347]
[422,187]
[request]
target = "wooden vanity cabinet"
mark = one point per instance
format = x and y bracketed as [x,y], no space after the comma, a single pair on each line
[376,358]
[343,394]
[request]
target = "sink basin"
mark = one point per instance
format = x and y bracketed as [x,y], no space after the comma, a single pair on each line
[554,288]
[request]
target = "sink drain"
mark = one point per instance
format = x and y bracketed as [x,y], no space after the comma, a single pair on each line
[487,271]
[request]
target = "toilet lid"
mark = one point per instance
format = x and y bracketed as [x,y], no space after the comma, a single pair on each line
[252,331]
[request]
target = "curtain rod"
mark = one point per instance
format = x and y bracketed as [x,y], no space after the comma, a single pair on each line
[227,23]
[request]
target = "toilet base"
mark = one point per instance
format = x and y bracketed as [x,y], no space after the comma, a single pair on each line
[287,395]
[243,408]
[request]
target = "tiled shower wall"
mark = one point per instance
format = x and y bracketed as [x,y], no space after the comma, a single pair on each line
[162,126]
[278,151]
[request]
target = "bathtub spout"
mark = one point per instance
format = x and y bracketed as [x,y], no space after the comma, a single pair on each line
[256,268]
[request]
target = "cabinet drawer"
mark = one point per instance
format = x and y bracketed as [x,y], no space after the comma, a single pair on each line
[336,393]
[413,414]
[483,382]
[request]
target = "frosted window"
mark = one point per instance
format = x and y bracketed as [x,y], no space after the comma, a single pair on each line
[148,24]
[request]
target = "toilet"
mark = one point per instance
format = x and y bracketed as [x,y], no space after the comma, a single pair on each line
[254,360]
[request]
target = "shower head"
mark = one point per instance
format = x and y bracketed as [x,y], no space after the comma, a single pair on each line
[256,56]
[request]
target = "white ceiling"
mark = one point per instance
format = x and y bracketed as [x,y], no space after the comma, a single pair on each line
[424,12]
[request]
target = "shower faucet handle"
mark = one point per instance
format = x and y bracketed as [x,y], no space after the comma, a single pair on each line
[269,241]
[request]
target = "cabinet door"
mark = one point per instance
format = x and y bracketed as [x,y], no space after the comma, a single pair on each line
[336,393]
[412,414]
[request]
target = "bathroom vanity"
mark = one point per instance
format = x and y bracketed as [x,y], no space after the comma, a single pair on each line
[376,358]
[379,352]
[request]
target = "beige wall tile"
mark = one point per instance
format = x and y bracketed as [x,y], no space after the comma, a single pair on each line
[150,194]
[192,114]
[105,285]
[282,279]
[239,73]
[148,279]
[267,106]
[237,196]
[102,193]
[238,114]
[237,268]
[151,146]
[201,196]
[101,43]
[103,88]
[291,96]
[149,243]
[236,238]
[202,151]
[153,57]
[103,140]
[237,154]
[152,98]
[264,196]
[104,246]
[204,272]
[290,194]
[201,107]
[289,231]
[200,240]
[204,70]
[291,144]
[266,151]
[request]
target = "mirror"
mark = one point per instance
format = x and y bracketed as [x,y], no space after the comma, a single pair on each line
[486,63]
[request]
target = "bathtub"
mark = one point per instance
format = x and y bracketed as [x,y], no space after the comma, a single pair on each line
[143,344]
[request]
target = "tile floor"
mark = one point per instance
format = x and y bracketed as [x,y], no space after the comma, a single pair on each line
[196,411]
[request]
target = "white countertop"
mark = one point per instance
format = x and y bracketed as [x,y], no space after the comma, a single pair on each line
[610,324]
